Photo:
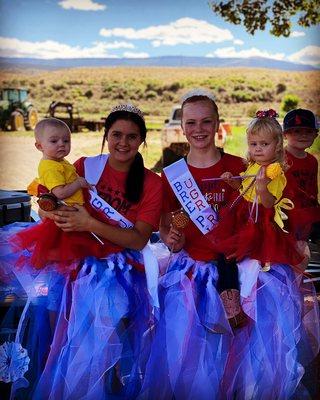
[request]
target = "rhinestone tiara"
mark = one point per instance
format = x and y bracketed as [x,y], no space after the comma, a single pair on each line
[197,92]
[129,108]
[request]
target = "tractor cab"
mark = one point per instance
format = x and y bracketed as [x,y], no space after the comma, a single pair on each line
[14,95]
[16,111]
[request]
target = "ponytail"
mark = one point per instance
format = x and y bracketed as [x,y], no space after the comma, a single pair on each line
[135,180]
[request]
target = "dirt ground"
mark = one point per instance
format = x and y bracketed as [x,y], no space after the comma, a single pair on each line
[19,158]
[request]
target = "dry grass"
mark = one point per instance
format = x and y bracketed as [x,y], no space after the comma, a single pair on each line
[95,90]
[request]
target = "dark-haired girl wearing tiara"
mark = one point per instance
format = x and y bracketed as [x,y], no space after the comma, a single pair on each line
[108,303]
[269,354]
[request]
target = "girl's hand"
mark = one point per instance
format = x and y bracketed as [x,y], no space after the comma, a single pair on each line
[266,198]
[234,183]
[45,214]
[175,239]
[77,219]
[262,180]
[226,176]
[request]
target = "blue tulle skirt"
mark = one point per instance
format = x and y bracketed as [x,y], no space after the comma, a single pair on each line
[29,297]
[98,348]
[268,357]
[191,342]
[202,358]
[90,331]
[84,329]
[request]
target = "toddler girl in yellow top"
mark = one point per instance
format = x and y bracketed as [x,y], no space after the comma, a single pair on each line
[47,242]
[252,226]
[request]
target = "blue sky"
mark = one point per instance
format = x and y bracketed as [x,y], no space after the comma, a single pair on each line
[139,28]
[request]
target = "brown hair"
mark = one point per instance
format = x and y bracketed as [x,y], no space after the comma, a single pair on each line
[196,98]
[135,178]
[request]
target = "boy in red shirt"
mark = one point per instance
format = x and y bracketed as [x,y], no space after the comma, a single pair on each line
[300,130]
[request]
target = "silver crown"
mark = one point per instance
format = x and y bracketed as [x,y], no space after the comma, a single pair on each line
[197,92]
[128,107]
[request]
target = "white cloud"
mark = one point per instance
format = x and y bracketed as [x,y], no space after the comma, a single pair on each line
[297,34]
[231,52]
[238,42]
[181,31]
[130,54]
[309,55]
[116,45]
[83,5]
[49,49]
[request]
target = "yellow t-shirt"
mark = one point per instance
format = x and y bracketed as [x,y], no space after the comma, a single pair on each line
[275,186]
[57,173]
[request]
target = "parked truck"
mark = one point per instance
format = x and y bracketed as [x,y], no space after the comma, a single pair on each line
[17,113]
[174,142]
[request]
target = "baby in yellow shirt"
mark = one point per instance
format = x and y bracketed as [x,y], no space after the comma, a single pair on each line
[47,242]
[53,139]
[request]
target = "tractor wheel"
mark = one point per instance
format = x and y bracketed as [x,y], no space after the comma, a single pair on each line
[31,119]
[16,121]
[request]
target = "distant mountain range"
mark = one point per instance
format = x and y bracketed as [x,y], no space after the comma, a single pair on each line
[165,61]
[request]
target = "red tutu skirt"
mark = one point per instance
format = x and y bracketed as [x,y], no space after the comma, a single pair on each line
[301,220]
[49,244]
[239,234]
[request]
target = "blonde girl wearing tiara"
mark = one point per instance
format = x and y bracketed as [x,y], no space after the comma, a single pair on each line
[191,340]
[269,355]
[252,226]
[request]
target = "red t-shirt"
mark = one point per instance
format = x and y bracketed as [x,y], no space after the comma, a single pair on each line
[302,180]
[111,187]
[217,193]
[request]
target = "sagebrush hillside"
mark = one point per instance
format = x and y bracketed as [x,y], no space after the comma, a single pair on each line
[239,91]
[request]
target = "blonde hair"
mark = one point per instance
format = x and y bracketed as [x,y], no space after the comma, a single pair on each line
[47,123]
[272,129]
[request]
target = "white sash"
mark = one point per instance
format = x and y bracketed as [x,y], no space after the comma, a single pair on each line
[93,169]
[190,197]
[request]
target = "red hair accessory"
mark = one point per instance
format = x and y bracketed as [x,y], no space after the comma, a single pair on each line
[267,114]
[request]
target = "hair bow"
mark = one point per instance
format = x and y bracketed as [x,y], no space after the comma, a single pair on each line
[267,113]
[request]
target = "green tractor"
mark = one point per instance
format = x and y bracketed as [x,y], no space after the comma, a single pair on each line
[16,111]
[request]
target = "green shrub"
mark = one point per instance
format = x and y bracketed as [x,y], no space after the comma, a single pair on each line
[251,112]
[166,96]
[281,87]
[266,96]
[88,94]
[241,96]
[289,102]
[151,94]
[174,87]
[57,86]
[74,82]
